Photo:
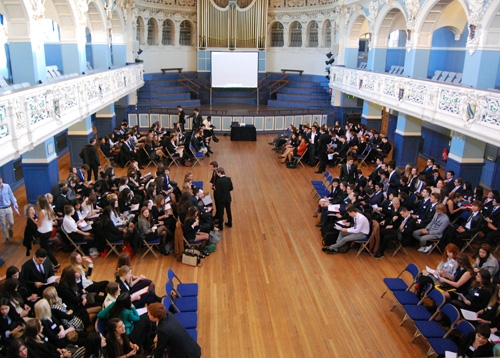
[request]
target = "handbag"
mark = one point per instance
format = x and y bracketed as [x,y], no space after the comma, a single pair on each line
[291,165]
[190,259]
[214,237]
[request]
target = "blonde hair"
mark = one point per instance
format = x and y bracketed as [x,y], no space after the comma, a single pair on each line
[77,266]
[50,294]
[120,271]
[42,310]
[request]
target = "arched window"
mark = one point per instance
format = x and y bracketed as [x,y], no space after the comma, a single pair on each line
[152,33]
[277,35]
[313,34]
[295,34]
[185,33]
[167,33]
[139,30]
[328,34]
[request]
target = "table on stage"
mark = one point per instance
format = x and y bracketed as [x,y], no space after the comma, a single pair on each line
[247,132]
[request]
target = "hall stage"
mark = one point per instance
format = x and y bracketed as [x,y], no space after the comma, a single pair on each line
[266,119]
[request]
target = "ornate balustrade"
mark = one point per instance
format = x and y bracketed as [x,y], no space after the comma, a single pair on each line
[470,111]
[30,116]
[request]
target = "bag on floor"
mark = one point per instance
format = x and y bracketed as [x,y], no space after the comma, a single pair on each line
[214,237]
[210,248]
[291,165]
[190,259]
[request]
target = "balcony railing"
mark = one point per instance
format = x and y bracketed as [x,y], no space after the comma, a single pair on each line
[470,111]
[30,116]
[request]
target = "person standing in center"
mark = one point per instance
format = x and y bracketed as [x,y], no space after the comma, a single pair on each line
[213,167]
[197,119]
[45,223]
[7,199]
[223,188]
[91,158]
[182,117]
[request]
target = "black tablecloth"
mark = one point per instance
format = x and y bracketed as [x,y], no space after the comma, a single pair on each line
[247,132]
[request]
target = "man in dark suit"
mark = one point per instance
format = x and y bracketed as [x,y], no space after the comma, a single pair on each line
[172,337]
[492,225]
[313,146]
[394,182]
[182,117]
[36,271]
[91,158]
[197,119]
[400,230]
[432,181]
[428,169]
[223,188]
[349,171]
[323,141]
[473,224]
[128,151]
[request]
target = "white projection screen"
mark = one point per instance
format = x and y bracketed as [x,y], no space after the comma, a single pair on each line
[235,69]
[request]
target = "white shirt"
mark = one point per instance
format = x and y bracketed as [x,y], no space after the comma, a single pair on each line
[361,225]
[69,224]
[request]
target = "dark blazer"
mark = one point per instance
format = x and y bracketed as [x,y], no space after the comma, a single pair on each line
[197,121]
[427,218]
[348,177]
[477,223]
[394,184]
[362,182]
[182,117]
[89,155]
[407,232]
[174,340]
[422,208]
[323,141]
[30,274]
[223,188]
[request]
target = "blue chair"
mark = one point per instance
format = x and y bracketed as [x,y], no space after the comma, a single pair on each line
[397,283]
[197,155]
[439,346]
[419,312]
[189,320]
[363,245]
[363,156]
[409,298]
[184,304]
[199,184]
[184,289]
[100,325]
[432,329]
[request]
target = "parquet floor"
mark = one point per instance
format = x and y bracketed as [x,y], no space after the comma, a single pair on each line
[269,290]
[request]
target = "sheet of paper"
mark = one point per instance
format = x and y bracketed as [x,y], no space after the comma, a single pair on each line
[448,354]
[335,208]
[469,315]
[52,279]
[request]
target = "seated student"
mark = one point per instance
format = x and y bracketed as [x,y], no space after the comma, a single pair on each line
[61,312]
[490,315]
[191,227]
[38,346]
[486,260]
[53,330]
[36,271]
[137,327]
[149,231]
[476,344]
[454,207]
[478,294]
[71,227]
[139,297]
[448,265]
[492,226]
[139,282]
[360,228]
[77,262]
[195,141]
[434,230]
[11,325]
[109,231]
[401,230]
[118,343]
[472,225]
[113,291]
[461,279]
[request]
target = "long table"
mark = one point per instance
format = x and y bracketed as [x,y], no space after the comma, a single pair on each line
[247,132]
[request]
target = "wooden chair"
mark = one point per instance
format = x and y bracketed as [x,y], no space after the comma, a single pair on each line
[77,245]
[150,247]
[299,158]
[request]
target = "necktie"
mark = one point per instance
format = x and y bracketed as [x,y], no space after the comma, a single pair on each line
[40,268]
[348,169]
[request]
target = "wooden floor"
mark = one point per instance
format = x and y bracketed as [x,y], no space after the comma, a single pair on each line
[269,290]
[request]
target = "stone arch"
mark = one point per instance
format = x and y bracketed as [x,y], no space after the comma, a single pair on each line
[312,34]
[168,39]
[390,18]
[327,32]
[490,34]
[118,26]
[436,14]
[152,32]
[295,30]
[357,27]
[96,22]
[69,15]
[183,26]
[140,30]
[18,20]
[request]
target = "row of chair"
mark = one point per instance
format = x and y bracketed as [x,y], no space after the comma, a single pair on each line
[425,322]
[183,299]
[448,77]
[396,70]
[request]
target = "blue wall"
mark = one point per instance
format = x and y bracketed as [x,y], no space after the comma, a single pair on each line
[53,55]
[433,144]
[446,53]
[395,57]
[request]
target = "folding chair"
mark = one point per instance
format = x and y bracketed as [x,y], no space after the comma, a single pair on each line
[150,247]
[199,184]
[113,247]
[450,77]
[443,76]
[363,156]
[184,304]
[184,289]
[363,245]
[150,160]
[298,158]
[458,79]
[437,73]
[468,241]
[198,156]
[435,244]
[106,159]
[439,346]
[76,244]
[174,157]
[418,312]
[410,298]
[189,320]
[432,329]
[392,69]
[397,283]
